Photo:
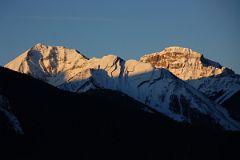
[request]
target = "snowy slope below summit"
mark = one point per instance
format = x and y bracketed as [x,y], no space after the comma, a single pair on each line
[223,89]
[215,81]
[157,88]
[219,88]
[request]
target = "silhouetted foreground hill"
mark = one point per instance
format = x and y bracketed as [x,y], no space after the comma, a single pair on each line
[99,124]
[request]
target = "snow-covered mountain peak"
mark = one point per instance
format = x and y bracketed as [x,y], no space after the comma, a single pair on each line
[185,63]
[43,61]
[61,50]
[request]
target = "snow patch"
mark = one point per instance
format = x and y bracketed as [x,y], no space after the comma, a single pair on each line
[13,121]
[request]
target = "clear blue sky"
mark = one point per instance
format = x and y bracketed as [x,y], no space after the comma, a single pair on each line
[128,28]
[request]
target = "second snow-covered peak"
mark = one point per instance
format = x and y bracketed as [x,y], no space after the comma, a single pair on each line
[185,63]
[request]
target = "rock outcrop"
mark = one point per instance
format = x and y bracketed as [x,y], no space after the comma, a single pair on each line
[184,63]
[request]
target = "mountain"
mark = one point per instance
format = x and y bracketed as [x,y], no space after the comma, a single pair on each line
[47,62]
[205,75]
[185,63]
[99,124]
[218,83]
[158,88]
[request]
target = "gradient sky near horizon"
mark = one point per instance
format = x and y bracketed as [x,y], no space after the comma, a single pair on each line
[128,28]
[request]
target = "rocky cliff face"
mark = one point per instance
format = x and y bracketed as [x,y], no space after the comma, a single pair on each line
[184,63]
